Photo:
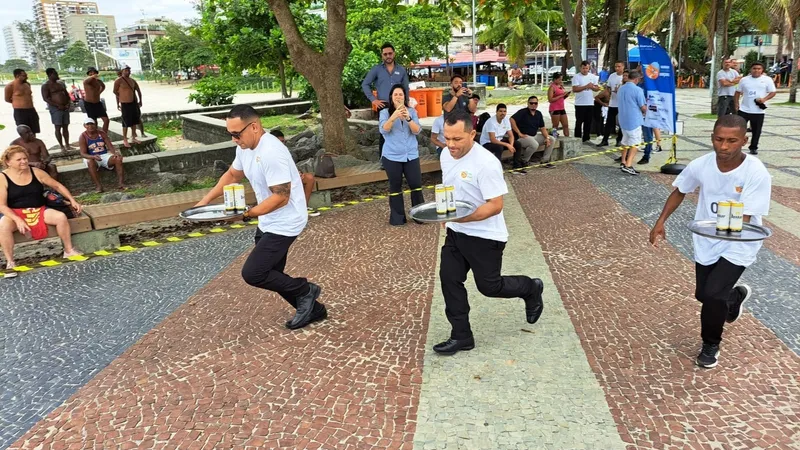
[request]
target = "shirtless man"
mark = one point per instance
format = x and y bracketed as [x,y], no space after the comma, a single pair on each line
[126,88]
[55,94]
[18,93]
[38,156]
[93,86]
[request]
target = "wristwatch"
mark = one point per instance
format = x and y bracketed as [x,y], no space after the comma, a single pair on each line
[409,119]
[245,216]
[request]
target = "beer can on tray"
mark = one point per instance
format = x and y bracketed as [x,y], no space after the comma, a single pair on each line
[238,195]
[230,202]
[451,198]
[724,215]
[441,199]
[737,217]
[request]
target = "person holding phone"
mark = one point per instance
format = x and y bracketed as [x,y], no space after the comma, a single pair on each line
[399,125]
[458,98]
[556,95]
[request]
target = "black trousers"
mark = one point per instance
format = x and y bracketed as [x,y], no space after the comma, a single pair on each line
[497,149]
[264,267]
[462,253]
[715,290]
[611,124]
[395,172]
[380,147]
[583,121]
[724,105]
[756,122]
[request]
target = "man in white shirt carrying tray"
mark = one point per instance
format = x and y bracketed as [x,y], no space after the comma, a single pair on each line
[726,174]
[476,242]
[281,212]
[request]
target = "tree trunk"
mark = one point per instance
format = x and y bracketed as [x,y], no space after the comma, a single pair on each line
[282,76]
[612,33]
[572,31]
[322,70]
[718,50]
[795,74]
[779,51]
[728,5]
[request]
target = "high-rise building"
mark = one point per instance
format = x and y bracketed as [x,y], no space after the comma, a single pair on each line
[136,34]
[52,14]
[95,30]
[16,46]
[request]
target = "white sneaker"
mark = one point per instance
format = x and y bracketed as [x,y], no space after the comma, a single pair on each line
[312,212]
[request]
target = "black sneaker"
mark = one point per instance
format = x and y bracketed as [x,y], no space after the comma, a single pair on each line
[707,358]
[630,171]
[753,152]
[659,149]
[533,302]
[602,144]
[618,159]
[519,172]
[644,161]
[549,166]
[736,311]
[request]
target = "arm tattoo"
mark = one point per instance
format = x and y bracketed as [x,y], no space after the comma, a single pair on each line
[282,189]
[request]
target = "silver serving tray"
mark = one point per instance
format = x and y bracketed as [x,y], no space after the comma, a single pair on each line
[209,213]
[426,212]
[749,233]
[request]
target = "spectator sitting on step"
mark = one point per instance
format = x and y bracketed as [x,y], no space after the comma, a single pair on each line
[97,152]
[306,178]
[38,157]
[22,204]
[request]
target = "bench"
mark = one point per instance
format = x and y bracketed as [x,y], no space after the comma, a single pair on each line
[80,224]
[369,173]
[113,215]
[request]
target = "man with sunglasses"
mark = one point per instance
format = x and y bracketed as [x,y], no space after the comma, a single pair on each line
[384,76]
[525,123]
[281,212]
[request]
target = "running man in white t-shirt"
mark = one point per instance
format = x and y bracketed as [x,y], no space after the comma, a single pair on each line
[476,242]
[725,174]
[750,100]
[281,212]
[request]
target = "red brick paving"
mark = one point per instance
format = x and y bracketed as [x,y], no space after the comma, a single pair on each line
[634,310]
[782,243]
[223,372]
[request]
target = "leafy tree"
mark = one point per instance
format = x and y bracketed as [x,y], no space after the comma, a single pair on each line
[244,34]
[144,56]
[12,64]
[214,90]
[78,56]
[43,46]
[358,64]
[179,49]
[518,25]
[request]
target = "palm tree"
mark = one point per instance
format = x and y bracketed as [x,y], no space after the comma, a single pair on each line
[790,9]
[518,26]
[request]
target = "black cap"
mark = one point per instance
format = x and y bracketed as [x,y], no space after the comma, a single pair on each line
[90,70]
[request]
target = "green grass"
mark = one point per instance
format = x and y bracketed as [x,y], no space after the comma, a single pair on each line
[288,123]
[164,129]
[708,116]
[2,127]
[793,105]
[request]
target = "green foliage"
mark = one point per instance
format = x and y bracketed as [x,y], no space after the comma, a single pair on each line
[214,90]
[179,49]
[416,32]
[358,64]
[518,26]
[288,123]
[749,59]
[164,129]
[77,57]
[12,64]
[43,46]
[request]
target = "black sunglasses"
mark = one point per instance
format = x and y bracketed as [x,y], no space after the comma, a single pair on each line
[533,103]
[238,134]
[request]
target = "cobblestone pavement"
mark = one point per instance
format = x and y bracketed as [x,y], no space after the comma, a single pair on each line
[168,348]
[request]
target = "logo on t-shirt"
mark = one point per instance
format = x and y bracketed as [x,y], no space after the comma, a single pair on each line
[258,159]
[738,189]
[466,175]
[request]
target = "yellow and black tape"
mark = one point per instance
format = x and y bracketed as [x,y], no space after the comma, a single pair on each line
[223,228]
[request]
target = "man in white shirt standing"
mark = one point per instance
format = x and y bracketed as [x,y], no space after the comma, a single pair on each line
[281,212]
[613,84]
[437,134]
[727,79]
[476,242]
[725,174]
[583,84]
[750,100]
[497,134]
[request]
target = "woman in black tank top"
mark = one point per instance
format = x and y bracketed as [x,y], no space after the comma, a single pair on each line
[22,204]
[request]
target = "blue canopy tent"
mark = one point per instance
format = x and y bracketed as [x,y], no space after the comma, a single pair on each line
[633,55]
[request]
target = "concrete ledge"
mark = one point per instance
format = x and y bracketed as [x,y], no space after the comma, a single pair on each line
[209,127]
[76,176]
[94,240]
[196,158]
[175,115]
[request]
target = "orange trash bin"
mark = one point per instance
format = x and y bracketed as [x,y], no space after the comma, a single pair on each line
[433,96]
[422,104]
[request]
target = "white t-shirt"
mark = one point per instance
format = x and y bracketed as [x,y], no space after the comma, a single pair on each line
[585,97]
[438,128]
[729,75]
[751,89]
[477,177]
[614,82]
[271,164]
[498,128]
[750,183]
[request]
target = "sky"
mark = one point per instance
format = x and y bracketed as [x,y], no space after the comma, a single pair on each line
[125,13]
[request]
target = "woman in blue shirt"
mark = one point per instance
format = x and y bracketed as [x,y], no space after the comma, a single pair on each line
[399,125]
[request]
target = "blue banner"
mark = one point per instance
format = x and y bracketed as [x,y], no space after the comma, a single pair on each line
[659,80]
